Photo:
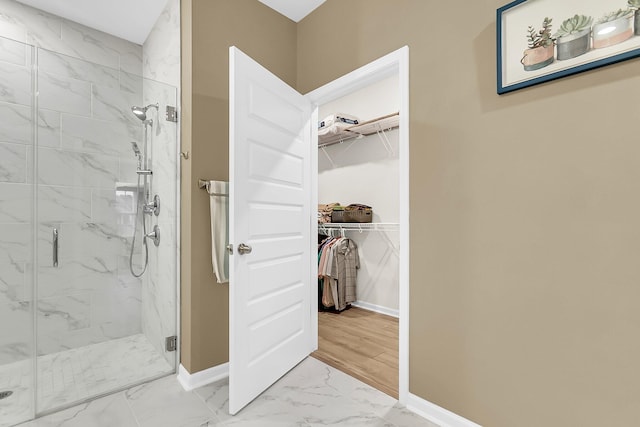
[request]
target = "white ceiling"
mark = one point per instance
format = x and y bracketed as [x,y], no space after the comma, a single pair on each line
[133,19]
[293,9]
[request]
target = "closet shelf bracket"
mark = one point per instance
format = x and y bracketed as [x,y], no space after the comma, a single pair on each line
[324,150]
[385,142]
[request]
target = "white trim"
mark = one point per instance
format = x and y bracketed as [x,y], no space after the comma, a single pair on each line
[357,79]
[405,256]
[233,51]
[314,229]
[191,381]
[436,414]
[377,308]
[394,62]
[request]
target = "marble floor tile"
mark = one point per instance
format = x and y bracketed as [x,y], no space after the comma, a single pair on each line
[109,411]
[16,377]
[80,373]
[216,397]
[165,403]
[400,416]
[75,375]
[312,394]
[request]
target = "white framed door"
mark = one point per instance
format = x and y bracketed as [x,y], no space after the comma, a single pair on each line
[270,216]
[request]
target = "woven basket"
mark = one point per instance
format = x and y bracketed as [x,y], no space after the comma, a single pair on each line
[362,215]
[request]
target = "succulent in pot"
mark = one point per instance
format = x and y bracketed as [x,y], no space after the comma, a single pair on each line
[540,47]
[613,28]
[573,37]
[635,5]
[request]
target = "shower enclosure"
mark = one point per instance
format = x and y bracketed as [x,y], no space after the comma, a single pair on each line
[75,323]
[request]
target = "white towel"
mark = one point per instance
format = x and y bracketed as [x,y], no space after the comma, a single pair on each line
[219,228]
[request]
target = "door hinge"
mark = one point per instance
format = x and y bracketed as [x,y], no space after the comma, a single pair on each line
[172,114]
[171,343]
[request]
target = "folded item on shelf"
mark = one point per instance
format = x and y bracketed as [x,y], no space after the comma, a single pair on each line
[324,212]
[333,129]
[336,119]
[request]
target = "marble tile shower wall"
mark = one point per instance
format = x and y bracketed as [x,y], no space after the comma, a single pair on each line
[161,69]
[159,291]
[16,214]
[25,24]
[86,179]
[87,82]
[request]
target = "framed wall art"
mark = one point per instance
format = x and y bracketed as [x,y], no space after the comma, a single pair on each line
[542,40]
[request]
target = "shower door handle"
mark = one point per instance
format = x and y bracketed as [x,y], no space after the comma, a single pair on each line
[55,247]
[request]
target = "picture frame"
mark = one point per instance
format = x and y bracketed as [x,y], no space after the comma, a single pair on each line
[543,40]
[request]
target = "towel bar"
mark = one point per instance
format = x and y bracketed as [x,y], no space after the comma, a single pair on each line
[205,184]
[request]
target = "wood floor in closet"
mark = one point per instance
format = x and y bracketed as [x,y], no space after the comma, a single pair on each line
[363,344]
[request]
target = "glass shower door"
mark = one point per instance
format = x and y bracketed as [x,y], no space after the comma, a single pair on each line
[99,328]
[16,232]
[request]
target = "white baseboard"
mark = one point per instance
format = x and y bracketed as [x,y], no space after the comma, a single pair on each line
[436,414]
[190,381]
[377,308]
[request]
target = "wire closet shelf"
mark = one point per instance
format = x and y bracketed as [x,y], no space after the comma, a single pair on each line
[359,226]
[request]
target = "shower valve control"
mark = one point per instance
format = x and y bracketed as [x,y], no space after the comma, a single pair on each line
[153,207]
[154,235]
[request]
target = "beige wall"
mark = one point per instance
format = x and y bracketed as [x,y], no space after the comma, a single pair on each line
[524,209]
[525,218]
[211,27]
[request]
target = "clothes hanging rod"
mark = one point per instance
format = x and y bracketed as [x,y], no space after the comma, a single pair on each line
[363,226]
[205,184]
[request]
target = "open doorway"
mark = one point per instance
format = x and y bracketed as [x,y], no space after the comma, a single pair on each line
[366,163]
[359,233]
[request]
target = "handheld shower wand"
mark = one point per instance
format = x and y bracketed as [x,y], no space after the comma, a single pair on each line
[138,154]
[136,151]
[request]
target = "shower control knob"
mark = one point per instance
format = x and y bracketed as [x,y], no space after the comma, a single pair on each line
[153,207]
[154,235]
[244,249]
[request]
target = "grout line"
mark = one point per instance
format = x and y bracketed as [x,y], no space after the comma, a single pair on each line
[203,400]
[133,413]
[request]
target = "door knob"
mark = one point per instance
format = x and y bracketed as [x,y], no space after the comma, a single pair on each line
[244,249]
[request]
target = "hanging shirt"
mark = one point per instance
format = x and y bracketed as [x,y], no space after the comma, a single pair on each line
[344,268]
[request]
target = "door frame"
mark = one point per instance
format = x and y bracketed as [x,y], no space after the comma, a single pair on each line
[392,63]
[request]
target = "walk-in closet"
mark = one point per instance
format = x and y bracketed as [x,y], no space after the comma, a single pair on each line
[359,210]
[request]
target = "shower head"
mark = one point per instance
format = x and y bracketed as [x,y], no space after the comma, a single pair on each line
[141,112]
[136,150]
